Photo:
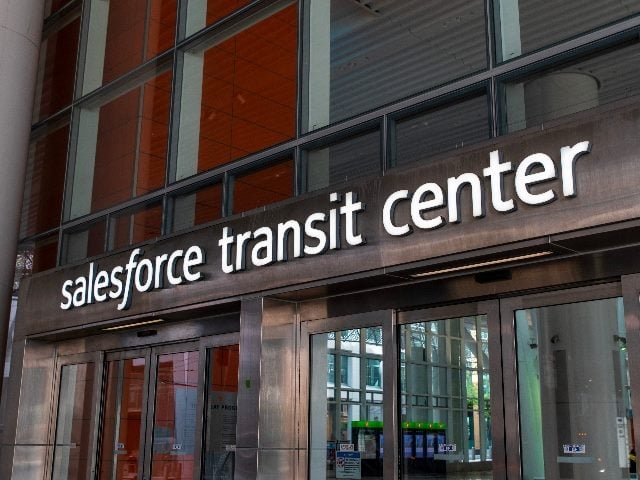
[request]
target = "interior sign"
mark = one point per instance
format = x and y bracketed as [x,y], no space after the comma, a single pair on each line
[430,206]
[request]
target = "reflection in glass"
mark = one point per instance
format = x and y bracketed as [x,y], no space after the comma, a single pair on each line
[122,147]
[445,409]
[362,55]
[201,13]
[571,87]
[197,207]
[136,226]
[523,26]
[123,34]
[86,242]
[122,420]
[576,418]
[239,95]
[37,255]
[263,186]
[72,449]
[341,161]
[174,424]
[221,413]
[346,401]
[444,128]
[56,73]
[44,182]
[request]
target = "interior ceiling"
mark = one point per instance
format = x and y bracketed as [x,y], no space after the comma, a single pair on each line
[396,48]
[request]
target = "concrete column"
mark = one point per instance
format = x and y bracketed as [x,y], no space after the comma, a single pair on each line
[20,31]
[558,94]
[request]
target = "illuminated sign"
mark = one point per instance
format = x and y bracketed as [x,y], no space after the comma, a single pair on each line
[430,205]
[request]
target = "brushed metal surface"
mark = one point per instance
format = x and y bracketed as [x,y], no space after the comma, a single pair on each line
[278,376]
[249,375]
[36,394]
[246,464]
[276,464]
[601,199]
[28,462]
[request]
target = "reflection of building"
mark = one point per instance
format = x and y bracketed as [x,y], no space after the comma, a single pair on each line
[260,233]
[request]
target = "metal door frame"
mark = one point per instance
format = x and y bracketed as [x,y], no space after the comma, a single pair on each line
[143,352]
[508,307]
[150,353]
[97,358]
[490,308]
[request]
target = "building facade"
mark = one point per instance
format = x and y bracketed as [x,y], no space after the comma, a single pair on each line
[330,239]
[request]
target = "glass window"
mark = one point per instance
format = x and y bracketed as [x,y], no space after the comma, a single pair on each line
[52,6]
[56,72]
[445,409]
[198,207]
[44,182]
[441,129]
[174,423]
[136,226]
[72,449]
[123,421]
[258,188]
[122,147]
[85,242]
[238,96]
[221,413]
[201,13]
[37,255]
[360,55]
[526,25]
[341,161]
[349,411]
[123,34]
[568,88]
[576,417]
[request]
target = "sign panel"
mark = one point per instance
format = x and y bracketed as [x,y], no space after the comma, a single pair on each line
[574,448]
[348,465]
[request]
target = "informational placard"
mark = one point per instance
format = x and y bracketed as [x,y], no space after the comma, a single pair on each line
[574,448]
[346,447]
[348,465]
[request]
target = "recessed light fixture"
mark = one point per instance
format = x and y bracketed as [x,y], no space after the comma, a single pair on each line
[131,325]
[497,261]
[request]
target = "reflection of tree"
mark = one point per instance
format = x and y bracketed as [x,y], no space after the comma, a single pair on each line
[24,267]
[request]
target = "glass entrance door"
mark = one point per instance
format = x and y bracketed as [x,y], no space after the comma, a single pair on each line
[573,381]
[156,404]
[447,408]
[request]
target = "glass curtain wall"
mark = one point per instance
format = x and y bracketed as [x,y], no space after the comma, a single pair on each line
[413,62]
[523,26]
[361,55]
[238,94]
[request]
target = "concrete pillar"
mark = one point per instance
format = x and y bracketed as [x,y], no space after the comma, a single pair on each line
[20,31]
[558,94]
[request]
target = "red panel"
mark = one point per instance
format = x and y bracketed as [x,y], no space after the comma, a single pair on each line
[154,134]
[58,53]
[262,187]
[162,27]
[217,9]
[249,91]
[45,183]
[45,254]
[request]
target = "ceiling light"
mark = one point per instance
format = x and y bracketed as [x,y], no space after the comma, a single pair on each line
[131,325]
[486,263]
